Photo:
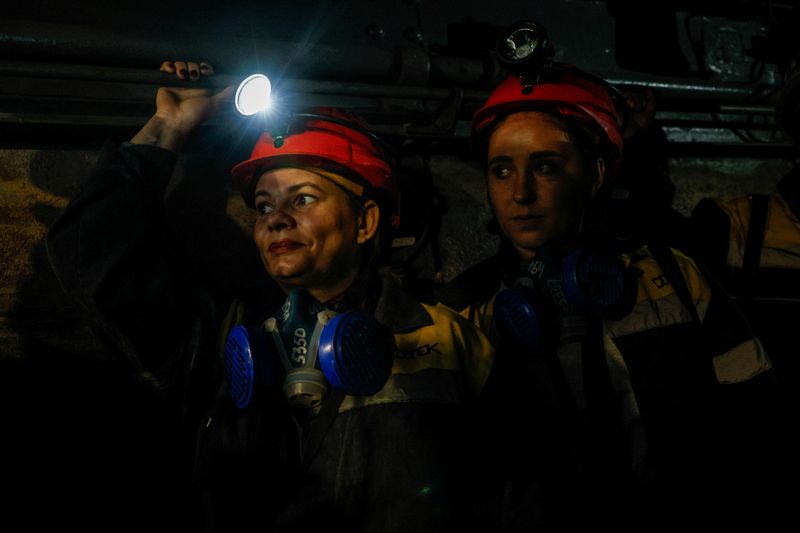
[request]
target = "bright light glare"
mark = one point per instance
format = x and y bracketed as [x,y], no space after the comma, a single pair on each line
[253,95]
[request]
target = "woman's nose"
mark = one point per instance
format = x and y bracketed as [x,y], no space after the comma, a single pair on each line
[524,190]
[279,219]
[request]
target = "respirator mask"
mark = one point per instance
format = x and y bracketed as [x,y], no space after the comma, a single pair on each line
[307,347]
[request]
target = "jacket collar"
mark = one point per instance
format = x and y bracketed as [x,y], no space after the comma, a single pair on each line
[398,311]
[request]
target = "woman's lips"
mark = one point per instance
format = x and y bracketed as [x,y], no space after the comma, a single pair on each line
[527,218]
[284,246]
[528,221]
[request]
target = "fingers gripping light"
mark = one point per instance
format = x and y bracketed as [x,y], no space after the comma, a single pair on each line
[253,95]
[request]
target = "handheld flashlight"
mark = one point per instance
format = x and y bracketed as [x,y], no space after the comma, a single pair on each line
[253,95]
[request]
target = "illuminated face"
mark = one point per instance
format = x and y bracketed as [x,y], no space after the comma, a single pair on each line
[308,232]
[538,184]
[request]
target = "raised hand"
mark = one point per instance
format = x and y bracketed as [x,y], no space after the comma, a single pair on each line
[182,107]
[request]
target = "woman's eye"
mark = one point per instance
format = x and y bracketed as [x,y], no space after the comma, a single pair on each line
[500,172]
[305,199]
[264,209]
[546,167]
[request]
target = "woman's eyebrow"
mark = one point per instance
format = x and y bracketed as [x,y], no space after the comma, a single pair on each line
[291,189]
[500,159]
[298,186]
[545,153]
[532,155]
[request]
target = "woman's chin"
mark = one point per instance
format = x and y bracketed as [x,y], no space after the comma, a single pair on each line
[527,244]
[287,274]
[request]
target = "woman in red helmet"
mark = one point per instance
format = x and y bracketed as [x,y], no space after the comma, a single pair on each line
[343,401]
[635,375]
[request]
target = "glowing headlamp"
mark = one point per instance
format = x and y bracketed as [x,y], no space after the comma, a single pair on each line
[253,95]
[524,46]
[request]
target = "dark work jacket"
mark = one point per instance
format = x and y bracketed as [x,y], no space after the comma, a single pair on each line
[394,461]
[666,415]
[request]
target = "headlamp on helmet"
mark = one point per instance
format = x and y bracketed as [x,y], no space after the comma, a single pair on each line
[524,47]
[537,82]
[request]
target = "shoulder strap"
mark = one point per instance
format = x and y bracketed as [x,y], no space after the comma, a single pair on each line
[753,244]
[666,260]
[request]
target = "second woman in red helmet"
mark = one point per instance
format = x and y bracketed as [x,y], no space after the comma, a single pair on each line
[624,362]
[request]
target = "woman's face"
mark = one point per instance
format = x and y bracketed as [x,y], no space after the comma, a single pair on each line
[538,184]
[308,232]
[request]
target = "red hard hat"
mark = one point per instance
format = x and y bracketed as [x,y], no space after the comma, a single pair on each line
[566,90]
[330,145]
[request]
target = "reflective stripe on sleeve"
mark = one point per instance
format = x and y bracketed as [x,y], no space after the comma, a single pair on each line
[430,385]
[741,363]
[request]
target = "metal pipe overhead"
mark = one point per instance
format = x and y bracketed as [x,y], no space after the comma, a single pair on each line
[30,69]
[410,66]
[61,42]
